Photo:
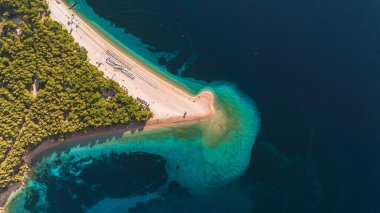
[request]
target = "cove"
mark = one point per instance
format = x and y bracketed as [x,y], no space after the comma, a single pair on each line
[201,158]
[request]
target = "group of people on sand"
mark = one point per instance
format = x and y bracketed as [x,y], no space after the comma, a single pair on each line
[72,23]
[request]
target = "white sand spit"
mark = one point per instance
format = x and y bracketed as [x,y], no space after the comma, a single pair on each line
[169,103]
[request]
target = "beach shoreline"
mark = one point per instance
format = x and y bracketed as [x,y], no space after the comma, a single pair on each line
[125,50]
[133,129]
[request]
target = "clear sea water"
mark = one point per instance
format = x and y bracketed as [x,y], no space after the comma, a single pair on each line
[312,69]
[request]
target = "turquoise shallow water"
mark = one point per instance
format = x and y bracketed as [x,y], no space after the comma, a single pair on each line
[200,158]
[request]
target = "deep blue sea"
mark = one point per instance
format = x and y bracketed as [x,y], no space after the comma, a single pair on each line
[313,70]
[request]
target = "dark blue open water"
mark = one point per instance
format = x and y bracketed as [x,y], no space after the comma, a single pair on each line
[312,67]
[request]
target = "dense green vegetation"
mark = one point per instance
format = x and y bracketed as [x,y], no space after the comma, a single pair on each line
[72,93]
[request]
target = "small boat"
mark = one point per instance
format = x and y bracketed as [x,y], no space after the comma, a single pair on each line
[73,5]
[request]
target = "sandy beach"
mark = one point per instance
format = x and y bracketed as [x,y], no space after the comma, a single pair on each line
[168,103]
